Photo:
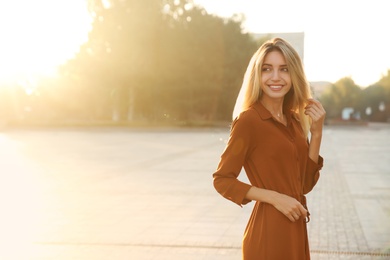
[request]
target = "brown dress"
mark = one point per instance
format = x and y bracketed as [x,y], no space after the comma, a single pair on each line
[275,157]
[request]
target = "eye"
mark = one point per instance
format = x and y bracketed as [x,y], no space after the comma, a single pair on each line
[284,69]
[266,69]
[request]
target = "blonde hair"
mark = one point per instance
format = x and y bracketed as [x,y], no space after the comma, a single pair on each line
[295,100]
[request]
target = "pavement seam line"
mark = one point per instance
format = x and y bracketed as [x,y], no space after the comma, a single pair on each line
[327,252]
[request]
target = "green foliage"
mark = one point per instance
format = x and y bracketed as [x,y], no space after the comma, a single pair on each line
[165,60]
[384,82]
[374,99]
[161,60]
[376,96]
[344,93]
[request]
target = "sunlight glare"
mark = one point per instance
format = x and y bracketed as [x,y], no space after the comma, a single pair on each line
[38,36]
[23,203]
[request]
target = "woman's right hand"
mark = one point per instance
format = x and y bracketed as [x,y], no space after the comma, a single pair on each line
[289,206]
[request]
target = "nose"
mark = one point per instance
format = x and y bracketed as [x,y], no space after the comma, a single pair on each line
[275,75]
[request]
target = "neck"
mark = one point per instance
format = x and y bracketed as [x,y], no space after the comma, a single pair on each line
[275,107]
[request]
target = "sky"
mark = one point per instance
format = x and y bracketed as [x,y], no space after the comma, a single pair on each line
[343,38]
[39,35]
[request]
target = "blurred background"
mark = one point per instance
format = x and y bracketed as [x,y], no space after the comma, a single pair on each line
[181,62]
[146,192]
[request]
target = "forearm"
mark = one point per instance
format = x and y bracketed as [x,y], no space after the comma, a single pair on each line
[317,114]
[314,146]
[262,195]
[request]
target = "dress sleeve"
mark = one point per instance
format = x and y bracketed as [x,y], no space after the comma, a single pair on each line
[312,173]
[232,161]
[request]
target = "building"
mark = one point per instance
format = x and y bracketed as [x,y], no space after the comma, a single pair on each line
[296,39]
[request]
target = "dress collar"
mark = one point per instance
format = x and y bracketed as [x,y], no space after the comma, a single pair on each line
[265,114]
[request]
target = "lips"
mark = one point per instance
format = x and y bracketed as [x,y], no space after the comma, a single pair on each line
[275,87]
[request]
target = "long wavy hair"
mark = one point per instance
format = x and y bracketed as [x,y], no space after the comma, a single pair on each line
[295,100]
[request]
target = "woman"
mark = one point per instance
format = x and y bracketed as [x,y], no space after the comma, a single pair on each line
[269,138]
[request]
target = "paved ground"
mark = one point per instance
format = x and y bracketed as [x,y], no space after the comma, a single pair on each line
[147,194]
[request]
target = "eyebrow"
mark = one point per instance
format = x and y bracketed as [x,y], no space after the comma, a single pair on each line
[266,64]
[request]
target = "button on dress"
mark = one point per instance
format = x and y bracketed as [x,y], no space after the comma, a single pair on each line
[275,157]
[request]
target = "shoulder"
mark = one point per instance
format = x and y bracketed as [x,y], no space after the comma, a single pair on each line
[247,117]
[249,114]
[243,128]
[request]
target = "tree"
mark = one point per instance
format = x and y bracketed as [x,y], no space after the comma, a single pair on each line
[160,60]
[206,65]
[342,94]
[385,83]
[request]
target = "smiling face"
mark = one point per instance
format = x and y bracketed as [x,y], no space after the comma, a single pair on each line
[275,77]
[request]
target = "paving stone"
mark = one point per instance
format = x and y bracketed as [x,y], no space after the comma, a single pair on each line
[117,193]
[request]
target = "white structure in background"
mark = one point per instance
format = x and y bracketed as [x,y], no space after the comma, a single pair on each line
[296,39]
[348,113]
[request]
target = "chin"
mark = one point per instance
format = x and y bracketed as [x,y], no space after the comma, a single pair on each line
[275,95]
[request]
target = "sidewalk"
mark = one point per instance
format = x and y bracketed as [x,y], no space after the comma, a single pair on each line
[134,194]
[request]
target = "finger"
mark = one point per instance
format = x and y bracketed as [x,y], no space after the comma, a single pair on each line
[315,103]
[311,111]
[316,109]
[312,114]
[315,112]
[290,217]
[295,215]
[315,116]
[303,211]
[311,101]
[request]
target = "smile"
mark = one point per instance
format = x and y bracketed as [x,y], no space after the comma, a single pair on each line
[275,87]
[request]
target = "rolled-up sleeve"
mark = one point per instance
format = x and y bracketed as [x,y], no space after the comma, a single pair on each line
[312,173]
[232,161]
